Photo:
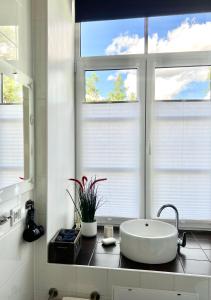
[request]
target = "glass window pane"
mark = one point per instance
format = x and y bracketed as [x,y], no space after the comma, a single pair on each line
[111,86]
[180,33]
[12,91]
[9,42]
[183,83]
[112,37]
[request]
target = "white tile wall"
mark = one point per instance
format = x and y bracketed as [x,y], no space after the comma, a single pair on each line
[91,279]
[17,257]
[192,284]
[160,281]
[80,281]
[126,278]
[16,260]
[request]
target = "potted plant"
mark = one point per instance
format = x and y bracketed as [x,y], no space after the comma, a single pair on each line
[87,203]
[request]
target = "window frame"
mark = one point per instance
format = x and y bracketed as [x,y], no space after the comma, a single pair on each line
[147,61]
[15,190]
[165,60]
[106,63]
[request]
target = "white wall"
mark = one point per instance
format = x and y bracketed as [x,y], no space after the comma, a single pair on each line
[60,113]
[16,256]
[53,71]
[53,32]
[53,56]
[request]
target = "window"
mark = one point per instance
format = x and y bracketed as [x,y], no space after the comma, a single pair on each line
[109,136]
[119,37]
[11,132]
[181,142]
[144,119]
[182,84]
[111,86]
[179,33]
[9,42]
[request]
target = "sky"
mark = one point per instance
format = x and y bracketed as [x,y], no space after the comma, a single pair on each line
[166,34]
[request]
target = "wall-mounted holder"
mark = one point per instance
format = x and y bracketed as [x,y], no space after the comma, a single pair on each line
[4,219]
[32,231]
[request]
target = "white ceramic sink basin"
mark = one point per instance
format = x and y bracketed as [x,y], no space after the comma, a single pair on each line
[148,241]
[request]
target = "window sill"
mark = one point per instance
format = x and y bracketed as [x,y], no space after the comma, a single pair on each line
[195,258]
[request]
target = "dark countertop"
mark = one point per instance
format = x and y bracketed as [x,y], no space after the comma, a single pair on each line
[195,258]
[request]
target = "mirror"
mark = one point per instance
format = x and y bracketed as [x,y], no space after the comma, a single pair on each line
[15,128]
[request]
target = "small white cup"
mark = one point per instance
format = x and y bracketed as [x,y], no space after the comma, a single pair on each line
[108,231]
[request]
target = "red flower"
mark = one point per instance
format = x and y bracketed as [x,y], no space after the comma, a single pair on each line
[77,181]
[83,181]
[95,181]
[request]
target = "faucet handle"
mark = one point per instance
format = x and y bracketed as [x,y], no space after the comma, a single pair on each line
[182,241]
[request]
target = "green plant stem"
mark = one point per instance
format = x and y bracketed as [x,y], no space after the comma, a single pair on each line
[74,204]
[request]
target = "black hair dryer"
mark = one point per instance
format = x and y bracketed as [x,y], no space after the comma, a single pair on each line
[32,231]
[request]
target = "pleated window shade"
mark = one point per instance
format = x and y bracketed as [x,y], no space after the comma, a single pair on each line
[181,158]
[110,147]
[11,144]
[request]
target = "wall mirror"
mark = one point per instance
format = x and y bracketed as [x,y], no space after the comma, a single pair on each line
[16,131]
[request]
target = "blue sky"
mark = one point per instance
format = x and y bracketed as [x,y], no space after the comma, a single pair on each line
[104,85]
[97,36]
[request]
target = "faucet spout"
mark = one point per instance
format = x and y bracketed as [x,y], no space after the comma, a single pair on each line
[176,213]
[180,242]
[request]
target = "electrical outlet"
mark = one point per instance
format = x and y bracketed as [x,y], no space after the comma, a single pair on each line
[15,215]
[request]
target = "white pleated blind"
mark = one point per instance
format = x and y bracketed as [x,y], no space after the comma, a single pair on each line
[110,147]
[181,158]
[11,144]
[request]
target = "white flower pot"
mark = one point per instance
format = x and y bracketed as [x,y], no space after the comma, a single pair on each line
[89,229]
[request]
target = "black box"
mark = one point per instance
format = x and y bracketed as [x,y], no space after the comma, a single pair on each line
[64,252]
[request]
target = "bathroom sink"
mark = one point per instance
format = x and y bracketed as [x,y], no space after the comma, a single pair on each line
[148,241]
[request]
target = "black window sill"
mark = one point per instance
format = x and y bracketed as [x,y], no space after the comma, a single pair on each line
[195,258]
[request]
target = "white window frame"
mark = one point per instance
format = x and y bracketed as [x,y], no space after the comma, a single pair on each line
[15,190]
[145,64]
[105,63]
[165,60]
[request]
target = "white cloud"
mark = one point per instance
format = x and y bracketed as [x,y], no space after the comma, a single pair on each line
[189,36]
[170,82]
[125,44]
[130,82]
[112,77]
[208,96]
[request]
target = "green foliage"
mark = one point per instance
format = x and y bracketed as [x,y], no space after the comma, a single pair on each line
[92,93]
[119,90]
[132,97]
[11,90]
[88,204]
[88,200]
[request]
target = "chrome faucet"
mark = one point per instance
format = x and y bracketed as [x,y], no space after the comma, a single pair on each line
[181,242]
[176,212]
